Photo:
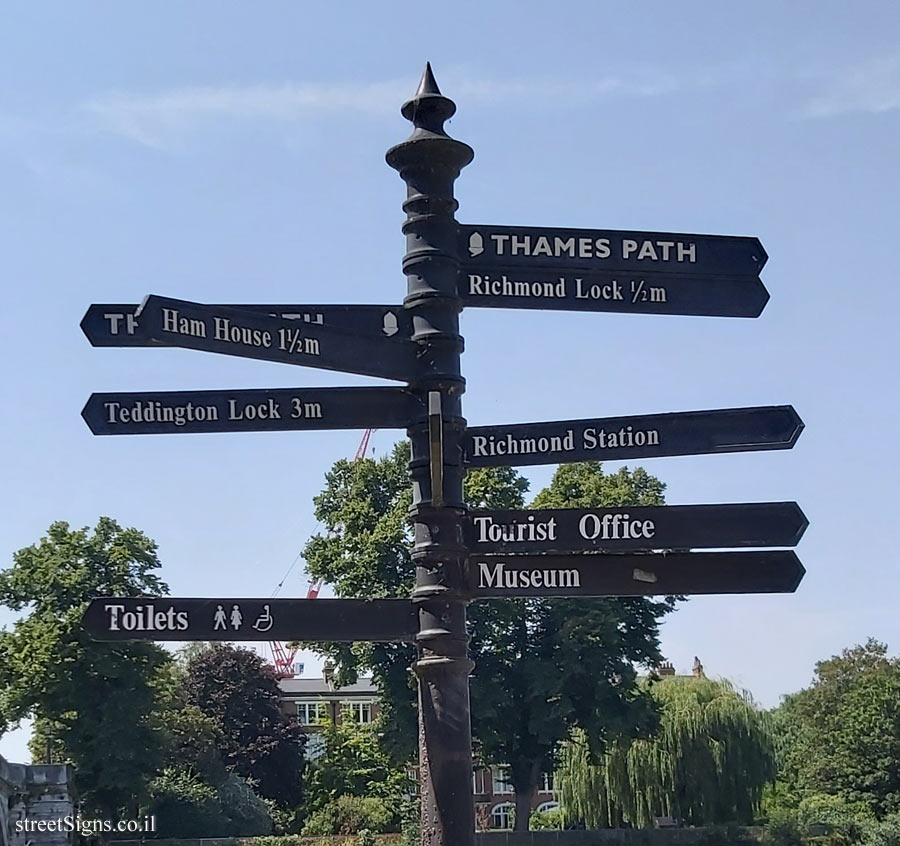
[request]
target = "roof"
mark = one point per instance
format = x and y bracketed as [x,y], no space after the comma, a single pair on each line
[318,687]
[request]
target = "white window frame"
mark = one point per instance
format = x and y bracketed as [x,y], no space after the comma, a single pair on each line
[306,705]
[552,805]
[356,708]
[500,781]
[547,783]
[500,813]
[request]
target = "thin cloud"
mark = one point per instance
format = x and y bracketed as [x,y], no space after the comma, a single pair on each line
[155,119]
[872,88]
[149,119]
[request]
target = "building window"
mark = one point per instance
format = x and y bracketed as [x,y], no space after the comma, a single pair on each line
[310,713]
[501,782]
[315,746]
[481,781]
[547,806]
[546,785]
[360,712]
[501,815]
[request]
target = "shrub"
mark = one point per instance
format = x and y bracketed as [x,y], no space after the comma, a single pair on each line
[246,812]
[843,822]
[725,835]
[185,807]
[884,833]
[349,815]
[546,820]
[784,829]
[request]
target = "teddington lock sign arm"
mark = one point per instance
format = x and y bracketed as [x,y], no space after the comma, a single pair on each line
[249,334]
[643,436]
[251,410]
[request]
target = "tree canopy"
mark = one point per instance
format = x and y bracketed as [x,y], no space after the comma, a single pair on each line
[92,702]
[239,696]
[708,762]
[841,735]
[542,666]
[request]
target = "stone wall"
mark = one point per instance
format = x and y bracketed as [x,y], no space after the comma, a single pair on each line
[601,837]
[34,792]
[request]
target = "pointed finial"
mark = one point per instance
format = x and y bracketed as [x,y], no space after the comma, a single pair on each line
[428,84]
[428,108]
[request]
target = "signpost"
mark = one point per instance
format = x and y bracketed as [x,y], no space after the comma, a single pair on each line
[112,325]
[164,618]
[264,410]
[636,528]
[770,571]
[461,556]
[644,436]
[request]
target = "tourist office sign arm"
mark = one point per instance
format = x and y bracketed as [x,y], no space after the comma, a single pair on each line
[180,323]
[644,436]
[116,325]
[611,271]
[630,529]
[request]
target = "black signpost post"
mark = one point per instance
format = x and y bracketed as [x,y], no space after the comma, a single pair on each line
[461,556]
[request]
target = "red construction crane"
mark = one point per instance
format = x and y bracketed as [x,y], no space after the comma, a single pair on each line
[283,656]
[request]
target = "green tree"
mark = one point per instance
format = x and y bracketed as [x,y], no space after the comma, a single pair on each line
[841,735]
[239,693]
[542,666]
[92,702]
[707,763]
[353,763]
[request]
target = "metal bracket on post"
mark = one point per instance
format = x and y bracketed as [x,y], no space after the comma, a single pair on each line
[436,447]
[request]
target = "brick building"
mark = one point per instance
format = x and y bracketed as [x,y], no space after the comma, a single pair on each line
[312,699]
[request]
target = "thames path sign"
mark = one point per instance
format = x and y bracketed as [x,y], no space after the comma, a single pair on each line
[116,325]
[165,618]
[636,528]
[606,270]
[673,574]
[460,556]
[250,334]
[645,436]
[264,410]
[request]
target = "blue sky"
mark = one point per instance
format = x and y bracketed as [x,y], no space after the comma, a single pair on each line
[234,152]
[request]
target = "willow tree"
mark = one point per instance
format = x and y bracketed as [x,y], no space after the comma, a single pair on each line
[708,762]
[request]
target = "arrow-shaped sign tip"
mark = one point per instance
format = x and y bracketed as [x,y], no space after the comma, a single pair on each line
[802,522]
[799,572]
[797,425]
[758,254]
[763,298]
